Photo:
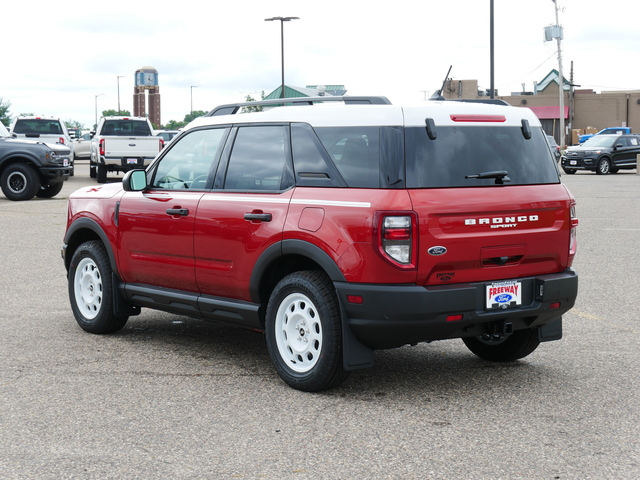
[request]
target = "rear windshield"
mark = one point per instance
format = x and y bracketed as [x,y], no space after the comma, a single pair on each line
[38,126]
[138,128]
[501,153]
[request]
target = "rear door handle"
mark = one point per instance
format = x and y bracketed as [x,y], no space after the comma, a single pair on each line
[258,217]
[183,212]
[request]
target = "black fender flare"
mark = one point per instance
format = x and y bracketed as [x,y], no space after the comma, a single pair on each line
[88,224]
[291,247]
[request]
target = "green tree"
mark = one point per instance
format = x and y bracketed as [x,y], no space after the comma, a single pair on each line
[253,108]
[5,118]
[115,113]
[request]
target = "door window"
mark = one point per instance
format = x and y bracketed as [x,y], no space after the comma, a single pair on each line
[258,160]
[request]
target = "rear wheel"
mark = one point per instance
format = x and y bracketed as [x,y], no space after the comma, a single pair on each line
[604,166]
[92,170]
[91,289]
[505,349]
[304,332]
[20,182]
[50,190]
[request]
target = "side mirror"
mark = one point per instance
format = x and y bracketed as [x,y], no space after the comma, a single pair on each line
[134,181]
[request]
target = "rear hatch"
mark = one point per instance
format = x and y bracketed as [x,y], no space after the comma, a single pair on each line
[488,196]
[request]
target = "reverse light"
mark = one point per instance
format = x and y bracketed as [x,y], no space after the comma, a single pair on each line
[573,240]
[397,237]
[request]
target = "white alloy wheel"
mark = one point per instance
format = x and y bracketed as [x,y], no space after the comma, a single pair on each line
[88,288]
[298,332]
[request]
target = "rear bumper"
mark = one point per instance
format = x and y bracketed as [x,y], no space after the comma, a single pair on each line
[395,315]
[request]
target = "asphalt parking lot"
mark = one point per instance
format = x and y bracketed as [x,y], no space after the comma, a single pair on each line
[174,398]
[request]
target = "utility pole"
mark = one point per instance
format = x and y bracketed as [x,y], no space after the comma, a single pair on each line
[561,80]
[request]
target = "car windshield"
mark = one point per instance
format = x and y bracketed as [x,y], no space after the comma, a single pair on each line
[600,141]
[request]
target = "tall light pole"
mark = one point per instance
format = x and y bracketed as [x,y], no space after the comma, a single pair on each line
[561,80]
[119,77]
[491,55]
[98,95]
[192,87]
[282,20]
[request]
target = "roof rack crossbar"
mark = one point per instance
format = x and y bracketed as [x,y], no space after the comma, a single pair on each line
[233,108]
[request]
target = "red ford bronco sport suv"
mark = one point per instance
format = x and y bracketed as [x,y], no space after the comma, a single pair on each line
[337,229]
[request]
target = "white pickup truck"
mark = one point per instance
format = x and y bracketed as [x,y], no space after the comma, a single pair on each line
[120,144]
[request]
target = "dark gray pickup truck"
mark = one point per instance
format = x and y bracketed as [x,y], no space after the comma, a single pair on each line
[29,168]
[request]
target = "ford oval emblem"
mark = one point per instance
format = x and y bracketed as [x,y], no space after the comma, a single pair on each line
[504,298]
[437,251]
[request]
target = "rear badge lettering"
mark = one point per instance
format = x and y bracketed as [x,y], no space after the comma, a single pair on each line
[502,222]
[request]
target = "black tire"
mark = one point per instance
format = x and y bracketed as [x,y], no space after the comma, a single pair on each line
[604,166]
[508,349]
[91,289]
[50,190]
[92,170]
[303,332]
[20,182]
[101,173]
[569,171]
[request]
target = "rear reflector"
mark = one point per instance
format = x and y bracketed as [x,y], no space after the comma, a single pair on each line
[355,299]
[553,306]
[454,318]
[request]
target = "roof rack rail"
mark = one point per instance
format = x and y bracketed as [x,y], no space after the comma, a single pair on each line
[492,101]
[233,108]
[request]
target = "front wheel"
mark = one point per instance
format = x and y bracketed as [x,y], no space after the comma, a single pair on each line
[604,166]
[303,332]
[20,182]
[505,349]
[91,289]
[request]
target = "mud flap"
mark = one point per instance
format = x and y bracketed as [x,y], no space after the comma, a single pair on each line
[551,331]
[355,355]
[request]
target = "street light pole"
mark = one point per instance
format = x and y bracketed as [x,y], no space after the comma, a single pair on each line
[119,77]
[282,20]
[98,95]
[192,87]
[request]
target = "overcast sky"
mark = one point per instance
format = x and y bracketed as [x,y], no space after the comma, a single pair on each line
[57,56]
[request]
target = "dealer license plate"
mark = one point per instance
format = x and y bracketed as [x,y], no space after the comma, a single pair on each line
[503,295]
[132,161]
[573,162]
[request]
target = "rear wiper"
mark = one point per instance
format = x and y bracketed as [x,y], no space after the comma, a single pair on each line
[501,176]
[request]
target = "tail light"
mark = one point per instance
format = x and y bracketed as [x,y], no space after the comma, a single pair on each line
[397,238]
[101,146]
[161,144]
[61,140]
[573,242]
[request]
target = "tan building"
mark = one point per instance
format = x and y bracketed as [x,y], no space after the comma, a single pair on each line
[585,110]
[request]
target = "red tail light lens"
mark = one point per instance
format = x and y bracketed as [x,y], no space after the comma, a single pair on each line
[61,140]
[161,143]
[102,146]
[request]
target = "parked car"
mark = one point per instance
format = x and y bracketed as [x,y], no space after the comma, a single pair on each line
[82,146]
[605,131]
[166,135]
[32,168]
[337,230]
[555,148]
[603,154]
